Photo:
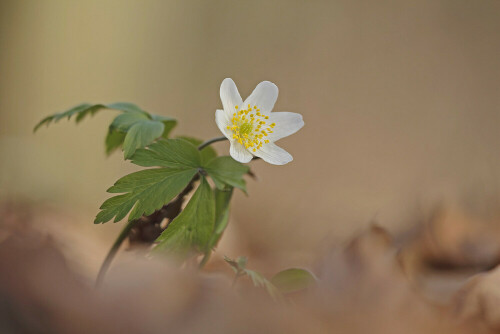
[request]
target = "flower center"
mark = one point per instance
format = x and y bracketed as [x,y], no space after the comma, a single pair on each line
[249,127]
[246,128]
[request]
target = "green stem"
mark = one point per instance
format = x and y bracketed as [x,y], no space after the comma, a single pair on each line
[204,261]
[211,141]
[112,252]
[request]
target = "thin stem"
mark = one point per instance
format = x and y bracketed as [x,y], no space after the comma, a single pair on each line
[204,261]
[112,252]
[211,141]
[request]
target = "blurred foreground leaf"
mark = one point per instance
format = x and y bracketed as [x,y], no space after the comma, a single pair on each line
[258,280]
[293,279]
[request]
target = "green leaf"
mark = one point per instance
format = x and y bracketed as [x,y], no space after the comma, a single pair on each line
[124,106]
[192,228]
[140,127]
[293,279]
[175,153]
[168,122]
[242,262]
[222,200]
[124,121]
[207,153]
[239,267]
[114,140]
[140,135]
[84,109]
[148,190]
[144,192]
[227,171]
[260,281]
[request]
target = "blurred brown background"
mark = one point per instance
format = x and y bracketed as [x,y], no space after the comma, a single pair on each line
[400,100]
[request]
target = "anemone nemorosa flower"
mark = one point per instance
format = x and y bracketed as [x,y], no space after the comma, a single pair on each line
[251,127]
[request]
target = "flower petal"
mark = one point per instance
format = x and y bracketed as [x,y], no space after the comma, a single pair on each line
[273,154]
[223,122]
[230,96]
[264,96]
[239,152]
[287,123]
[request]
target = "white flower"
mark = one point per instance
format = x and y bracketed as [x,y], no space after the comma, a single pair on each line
[251,127]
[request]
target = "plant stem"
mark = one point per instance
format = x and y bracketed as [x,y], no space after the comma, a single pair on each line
[112,252]
[204,261]
[211,141]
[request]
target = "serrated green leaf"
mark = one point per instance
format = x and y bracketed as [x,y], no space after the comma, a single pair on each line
[207,153]
[84,109]
[140,135]
[145,192]
[222,200]
[114,139]
[227,171]
[293,279]
[175,153]
[192,228]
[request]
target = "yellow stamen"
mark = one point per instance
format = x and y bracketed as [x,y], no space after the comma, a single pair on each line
[249,131]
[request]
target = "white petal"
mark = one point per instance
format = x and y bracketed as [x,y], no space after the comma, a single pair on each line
[287,123]
[264,96]
[273,154]
[230,96]
[223,122]
[239,152]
